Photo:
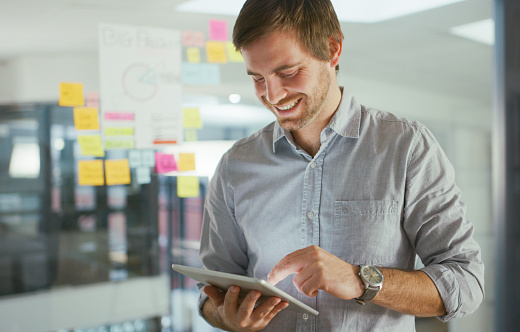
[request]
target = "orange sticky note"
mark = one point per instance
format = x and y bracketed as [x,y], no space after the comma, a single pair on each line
[186,162]
[117,172]
[216,52]
[188,186]
[90,173]
[71,94]
[86,118]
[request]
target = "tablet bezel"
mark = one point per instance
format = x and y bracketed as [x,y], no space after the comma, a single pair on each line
[224,280]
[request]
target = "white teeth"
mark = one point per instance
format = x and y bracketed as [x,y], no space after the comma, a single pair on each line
[288,107]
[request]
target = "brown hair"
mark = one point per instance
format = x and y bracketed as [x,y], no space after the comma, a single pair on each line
[313,21]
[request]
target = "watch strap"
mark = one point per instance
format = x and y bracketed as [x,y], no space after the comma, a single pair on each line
[370,293]
[370,289]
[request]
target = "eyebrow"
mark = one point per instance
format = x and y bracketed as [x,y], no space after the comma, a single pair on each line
[276,70]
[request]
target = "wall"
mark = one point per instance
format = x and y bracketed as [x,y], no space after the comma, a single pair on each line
[462,126]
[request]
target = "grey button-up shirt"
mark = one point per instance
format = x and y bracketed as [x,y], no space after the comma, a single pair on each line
[379,191]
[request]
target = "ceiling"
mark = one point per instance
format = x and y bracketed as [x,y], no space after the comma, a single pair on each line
[415,50]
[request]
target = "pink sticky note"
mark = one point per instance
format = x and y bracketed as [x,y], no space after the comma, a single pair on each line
[119,116]
[218,30]
[193,38]
[165,163]
[92,99]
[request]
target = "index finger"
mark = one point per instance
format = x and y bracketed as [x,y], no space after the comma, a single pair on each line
[288,265]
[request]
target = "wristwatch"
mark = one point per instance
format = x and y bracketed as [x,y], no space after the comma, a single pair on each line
[373,280]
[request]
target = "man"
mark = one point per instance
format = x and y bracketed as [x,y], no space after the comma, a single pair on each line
[329,187]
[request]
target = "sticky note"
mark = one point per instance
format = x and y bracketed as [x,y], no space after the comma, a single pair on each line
[86,118]
[71,94]
[200,74]
[112,144]
[193,54]
[191,117]
[188,186]
[190,135]
[92,99]
[191,74]
[119,131]
[142,175]
[91,145]
[119,116]
[218,30]
[193,38]
[90,173]
[216,52]
[134,158]
[165,162]
[186,162]
[148,158]
[117,172]
[210,74]
[232,53]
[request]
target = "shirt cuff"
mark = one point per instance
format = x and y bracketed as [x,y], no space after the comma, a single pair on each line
[448,287]
[202,299]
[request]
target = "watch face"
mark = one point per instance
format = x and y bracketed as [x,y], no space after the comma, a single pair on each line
[372,275]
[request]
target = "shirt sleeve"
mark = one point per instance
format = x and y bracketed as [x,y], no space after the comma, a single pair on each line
[434,220]
[222,245]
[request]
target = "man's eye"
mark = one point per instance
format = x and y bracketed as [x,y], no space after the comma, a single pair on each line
[258,79]
[291,74]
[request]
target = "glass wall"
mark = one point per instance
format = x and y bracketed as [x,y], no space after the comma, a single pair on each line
[97,257]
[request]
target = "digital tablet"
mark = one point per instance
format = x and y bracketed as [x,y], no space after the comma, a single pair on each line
[224,280]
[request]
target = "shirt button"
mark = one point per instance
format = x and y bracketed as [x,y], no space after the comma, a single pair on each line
[305,317]
[313,164]
[310,214]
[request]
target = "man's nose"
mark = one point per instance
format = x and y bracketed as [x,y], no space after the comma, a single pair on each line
[274,91]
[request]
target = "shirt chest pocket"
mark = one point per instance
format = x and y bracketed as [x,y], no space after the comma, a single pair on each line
[365,231]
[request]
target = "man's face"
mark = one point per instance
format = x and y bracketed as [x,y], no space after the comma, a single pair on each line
[288,80]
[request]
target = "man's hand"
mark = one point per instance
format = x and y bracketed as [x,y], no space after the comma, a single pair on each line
[317,269]
[240,314]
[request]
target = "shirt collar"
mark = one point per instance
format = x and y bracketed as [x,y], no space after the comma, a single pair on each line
[345,122]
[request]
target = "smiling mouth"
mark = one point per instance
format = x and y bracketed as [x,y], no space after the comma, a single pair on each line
[289,106]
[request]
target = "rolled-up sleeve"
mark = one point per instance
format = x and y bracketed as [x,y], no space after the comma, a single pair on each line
[222,245]
[434,220]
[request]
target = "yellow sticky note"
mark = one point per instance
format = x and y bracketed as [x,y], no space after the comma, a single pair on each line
[191,118]
[233,54]
[86,118]
[190,136]
[112,144]
[193,54]
[91,145]
[90,173]
[119,131]
[71,94]
[117,172]
[188,186]
[186,162]
[216,52]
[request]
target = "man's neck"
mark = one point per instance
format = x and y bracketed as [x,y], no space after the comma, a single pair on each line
[308,138]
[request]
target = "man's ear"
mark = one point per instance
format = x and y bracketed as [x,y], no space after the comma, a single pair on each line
[336,47]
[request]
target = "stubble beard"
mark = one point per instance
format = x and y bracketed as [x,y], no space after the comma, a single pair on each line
[312,105]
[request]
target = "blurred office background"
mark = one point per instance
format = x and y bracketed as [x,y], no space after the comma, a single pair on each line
[97,258]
